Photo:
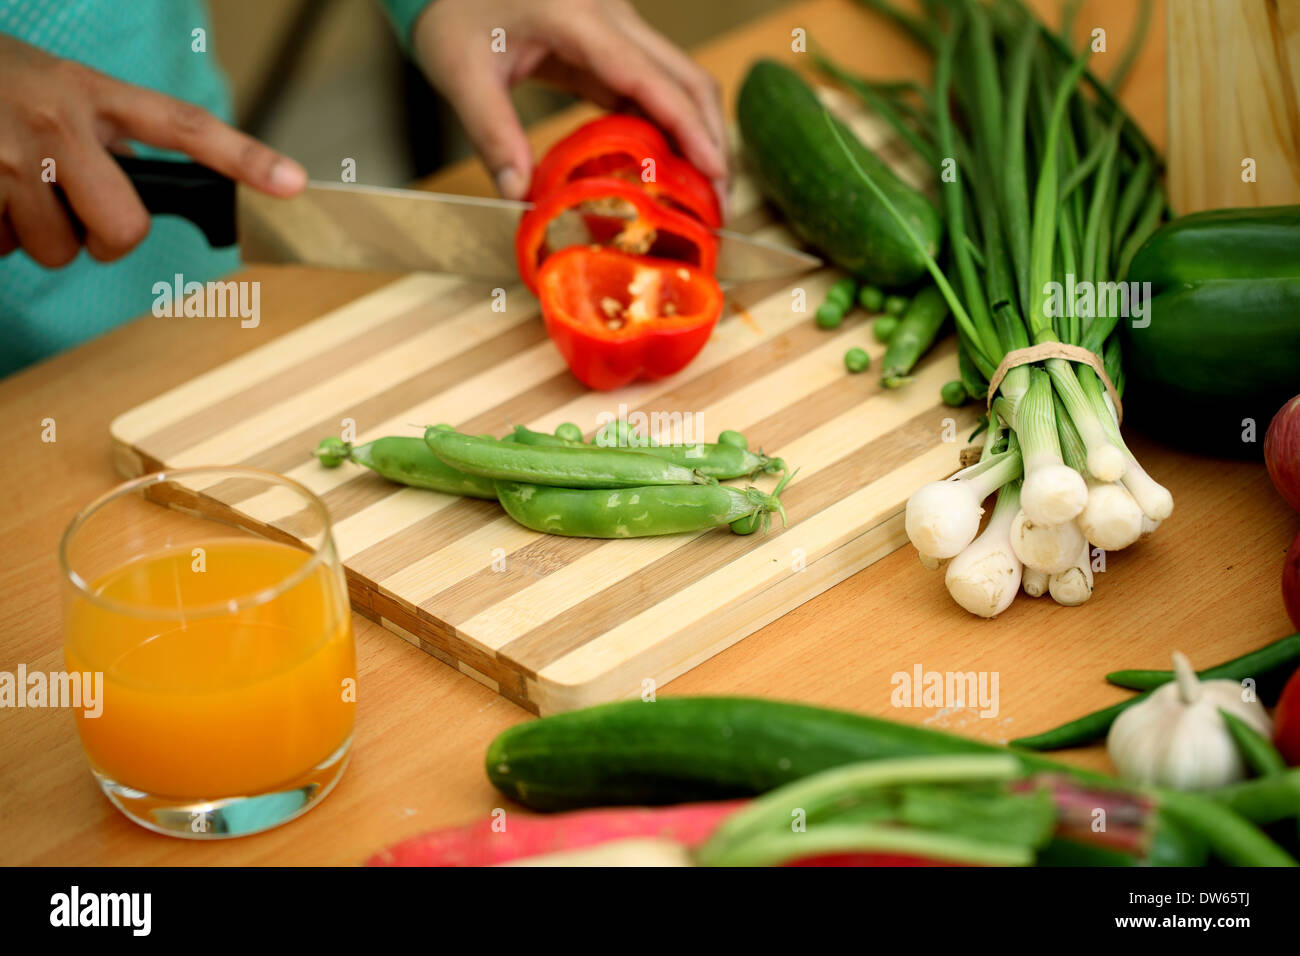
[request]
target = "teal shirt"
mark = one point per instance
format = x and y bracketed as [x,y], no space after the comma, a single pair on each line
[148,43]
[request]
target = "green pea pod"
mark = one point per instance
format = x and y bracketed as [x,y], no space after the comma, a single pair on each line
[568,467]
[915,334]
[526,436]
[722,460]
[408,461]
[629,512]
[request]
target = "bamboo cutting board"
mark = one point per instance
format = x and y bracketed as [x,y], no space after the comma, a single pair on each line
[555,623]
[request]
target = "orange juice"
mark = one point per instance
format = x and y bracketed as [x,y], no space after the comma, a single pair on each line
[228,668]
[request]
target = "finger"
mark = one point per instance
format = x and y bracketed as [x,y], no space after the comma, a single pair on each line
[104,200]
[160,120]
[572,79]
[698,82]
[628,70]
[41,225]
[482,101]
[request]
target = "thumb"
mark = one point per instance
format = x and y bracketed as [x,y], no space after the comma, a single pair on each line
[482,101]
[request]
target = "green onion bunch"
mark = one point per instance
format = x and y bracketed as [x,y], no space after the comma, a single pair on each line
[1043,180]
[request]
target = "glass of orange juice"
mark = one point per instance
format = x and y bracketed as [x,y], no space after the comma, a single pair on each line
[220,629]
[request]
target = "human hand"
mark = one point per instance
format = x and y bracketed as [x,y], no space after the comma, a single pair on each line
[58,118]
[599,49]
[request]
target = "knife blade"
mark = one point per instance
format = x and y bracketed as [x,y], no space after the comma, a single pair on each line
[347,226]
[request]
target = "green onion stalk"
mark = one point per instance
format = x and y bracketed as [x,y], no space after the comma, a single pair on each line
[1055,189]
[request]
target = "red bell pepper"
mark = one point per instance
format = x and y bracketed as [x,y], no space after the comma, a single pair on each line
[615,212]
[617,317]
[618,146]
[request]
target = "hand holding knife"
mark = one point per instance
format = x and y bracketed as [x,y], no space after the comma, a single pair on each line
[345,226]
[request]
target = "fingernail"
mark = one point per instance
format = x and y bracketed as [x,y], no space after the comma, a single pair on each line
[287,176]
[511,183]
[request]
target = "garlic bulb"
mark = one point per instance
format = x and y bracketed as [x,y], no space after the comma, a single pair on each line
[1176,737]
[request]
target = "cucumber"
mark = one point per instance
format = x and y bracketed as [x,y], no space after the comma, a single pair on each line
[801,167]
[1220,345]
[684,749]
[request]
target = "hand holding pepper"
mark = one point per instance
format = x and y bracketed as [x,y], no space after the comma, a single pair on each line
[599,49]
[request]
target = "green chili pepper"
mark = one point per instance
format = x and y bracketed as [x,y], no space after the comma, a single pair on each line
[630,512]
[1256,750]
[1264,800]
[408,461]
[856,360]
[1277,660]
[1274,660]
[1076,733]
[1232,838]
[569,467]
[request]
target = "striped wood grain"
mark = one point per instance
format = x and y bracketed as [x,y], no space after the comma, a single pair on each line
[554,623]
[1234,93]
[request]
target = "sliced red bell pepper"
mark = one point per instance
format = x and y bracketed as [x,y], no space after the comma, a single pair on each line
[618,146]
[615,212]
[617,317]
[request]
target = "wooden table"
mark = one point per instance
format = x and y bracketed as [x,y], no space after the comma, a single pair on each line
[1207,583]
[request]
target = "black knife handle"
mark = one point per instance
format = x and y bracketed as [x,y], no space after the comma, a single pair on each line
[190,190]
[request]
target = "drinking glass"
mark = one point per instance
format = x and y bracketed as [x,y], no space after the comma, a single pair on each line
[210,606]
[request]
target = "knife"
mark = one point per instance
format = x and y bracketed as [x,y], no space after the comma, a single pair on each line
[346,226]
